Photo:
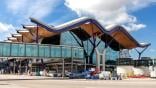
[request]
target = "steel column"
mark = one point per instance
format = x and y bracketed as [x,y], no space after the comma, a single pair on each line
[63,70]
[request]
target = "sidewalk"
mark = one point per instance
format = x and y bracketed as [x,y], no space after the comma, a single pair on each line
[22,77]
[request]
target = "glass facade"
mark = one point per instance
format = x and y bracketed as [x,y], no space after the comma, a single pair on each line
[5,49]
[44,51]
[55,51]
[68,39]
[31,50]
[67,49]
[66,52]
[111,54]
[39,50]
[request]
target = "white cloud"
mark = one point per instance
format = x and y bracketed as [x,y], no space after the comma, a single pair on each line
[34,8]
[133,26]
[23,9]
[5,27]
[110,11]
[6,30]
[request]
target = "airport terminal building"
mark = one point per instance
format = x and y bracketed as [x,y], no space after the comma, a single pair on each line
[74,46]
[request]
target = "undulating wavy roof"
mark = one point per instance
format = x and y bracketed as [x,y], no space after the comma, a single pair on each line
[117,37]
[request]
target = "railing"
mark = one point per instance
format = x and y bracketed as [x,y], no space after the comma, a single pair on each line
[40,50]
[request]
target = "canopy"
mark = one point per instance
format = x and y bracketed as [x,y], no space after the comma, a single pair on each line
[117,36]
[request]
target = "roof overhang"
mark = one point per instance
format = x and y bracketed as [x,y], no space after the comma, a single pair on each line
[91,27]
[18,37]
[42,32]
[13,39]
[27,37]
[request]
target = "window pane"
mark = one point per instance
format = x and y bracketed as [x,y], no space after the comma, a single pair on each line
[47,51]
[1,48]
[31,50]
[21,49]
[14,49]
[55,51]
[81,52]
[44,51]
[66,51]
[6,49]
[41,51]
[74,54]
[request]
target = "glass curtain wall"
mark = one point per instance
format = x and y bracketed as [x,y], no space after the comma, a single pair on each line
[68,39]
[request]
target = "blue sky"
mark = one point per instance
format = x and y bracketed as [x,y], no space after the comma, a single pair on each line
[147,34]
[137,16]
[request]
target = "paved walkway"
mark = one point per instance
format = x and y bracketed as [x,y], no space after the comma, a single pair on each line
[76,83]
[21,77]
